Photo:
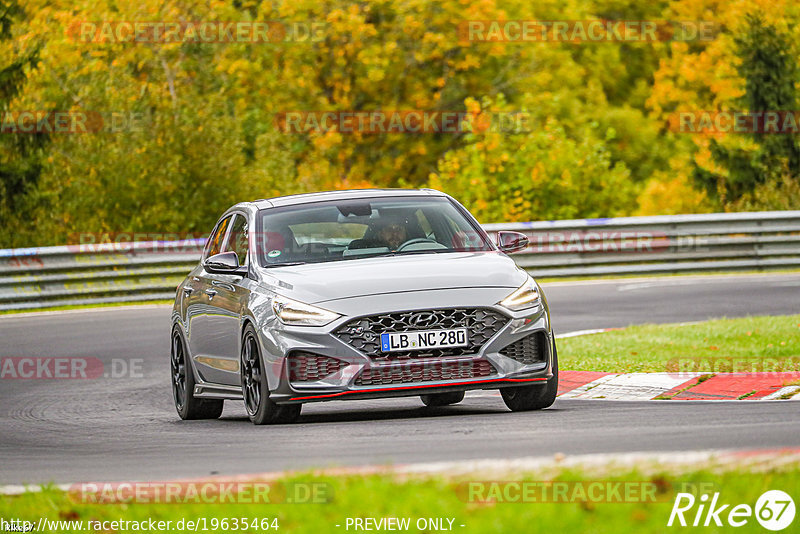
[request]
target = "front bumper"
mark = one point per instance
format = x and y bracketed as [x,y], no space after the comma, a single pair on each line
[280,341]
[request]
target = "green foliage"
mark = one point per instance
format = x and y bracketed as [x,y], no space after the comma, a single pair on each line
[769,68]
[199,130]
[538,174]
[20,154]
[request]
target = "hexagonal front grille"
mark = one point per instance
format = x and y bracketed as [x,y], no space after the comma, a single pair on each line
[307,367]
[365,333]
[425,372]
[529,349]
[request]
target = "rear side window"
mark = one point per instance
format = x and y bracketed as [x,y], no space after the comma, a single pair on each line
[214,245]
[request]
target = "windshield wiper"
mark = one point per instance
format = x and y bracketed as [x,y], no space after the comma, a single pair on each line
[285,264]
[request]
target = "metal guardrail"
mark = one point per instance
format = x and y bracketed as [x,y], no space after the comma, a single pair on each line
[660,244]
[128,272]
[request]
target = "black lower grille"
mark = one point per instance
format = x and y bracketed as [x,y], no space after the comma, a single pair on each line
[307,367]
[529,349]
[425,372]
[365,333]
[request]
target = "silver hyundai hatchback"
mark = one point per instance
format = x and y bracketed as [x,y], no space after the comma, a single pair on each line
[353,295]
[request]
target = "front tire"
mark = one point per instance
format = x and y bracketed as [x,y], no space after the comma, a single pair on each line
[442,399]
[260,409]
[538,397]
[182,379]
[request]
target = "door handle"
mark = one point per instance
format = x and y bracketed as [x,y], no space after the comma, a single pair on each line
[211,293]
[223,285]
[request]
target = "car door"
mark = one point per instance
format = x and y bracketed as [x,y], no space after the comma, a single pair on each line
[207,321]
[228,295]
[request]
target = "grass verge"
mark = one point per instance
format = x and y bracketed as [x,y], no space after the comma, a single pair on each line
[612,277]
[85,306]
[751,344]
[491,507]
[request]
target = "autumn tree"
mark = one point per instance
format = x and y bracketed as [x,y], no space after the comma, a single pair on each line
[20,154]
[769,68]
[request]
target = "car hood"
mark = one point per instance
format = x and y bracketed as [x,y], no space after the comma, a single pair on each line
[321,282]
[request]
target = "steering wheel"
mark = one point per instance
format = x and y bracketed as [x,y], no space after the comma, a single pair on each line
[416,240]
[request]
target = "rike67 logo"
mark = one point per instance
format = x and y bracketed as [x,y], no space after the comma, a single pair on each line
[774,510]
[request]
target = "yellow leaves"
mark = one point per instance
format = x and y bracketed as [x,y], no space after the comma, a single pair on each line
[665,194]
[472,105]
[239,66]
[470,61]
[375,75]
[335,15]
[327,140]
[353,183]
[538,174]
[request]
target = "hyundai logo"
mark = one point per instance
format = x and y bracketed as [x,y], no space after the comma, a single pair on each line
[423,319]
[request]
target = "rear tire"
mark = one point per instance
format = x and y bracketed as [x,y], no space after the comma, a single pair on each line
[260,409]
[182,378]
[442,399]
[538,397]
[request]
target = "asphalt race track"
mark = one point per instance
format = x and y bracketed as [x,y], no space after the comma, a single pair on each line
[127,428]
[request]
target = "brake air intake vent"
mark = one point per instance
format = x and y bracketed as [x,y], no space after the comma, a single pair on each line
[529,349]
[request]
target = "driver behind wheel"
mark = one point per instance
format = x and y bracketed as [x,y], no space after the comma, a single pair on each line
[388,232]
[392,234]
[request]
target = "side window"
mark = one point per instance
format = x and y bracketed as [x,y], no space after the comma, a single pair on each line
[238,240]
[214,244]
[463,240]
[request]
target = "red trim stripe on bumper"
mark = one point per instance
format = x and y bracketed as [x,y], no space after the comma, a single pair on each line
[329,395]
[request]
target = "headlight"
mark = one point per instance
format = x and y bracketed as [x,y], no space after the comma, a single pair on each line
[295,313]
[526,296]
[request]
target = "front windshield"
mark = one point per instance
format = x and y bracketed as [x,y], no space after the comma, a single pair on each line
[352,229]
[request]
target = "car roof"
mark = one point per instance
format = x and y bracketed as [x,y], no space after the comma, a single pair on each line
[346,194]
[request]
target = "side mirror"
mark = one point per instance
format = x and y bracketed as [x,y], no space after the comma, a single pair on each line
[224,263]
[511,241]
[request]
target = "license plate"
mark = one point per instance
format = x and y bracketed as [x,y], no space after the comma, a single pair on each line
[424,339]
